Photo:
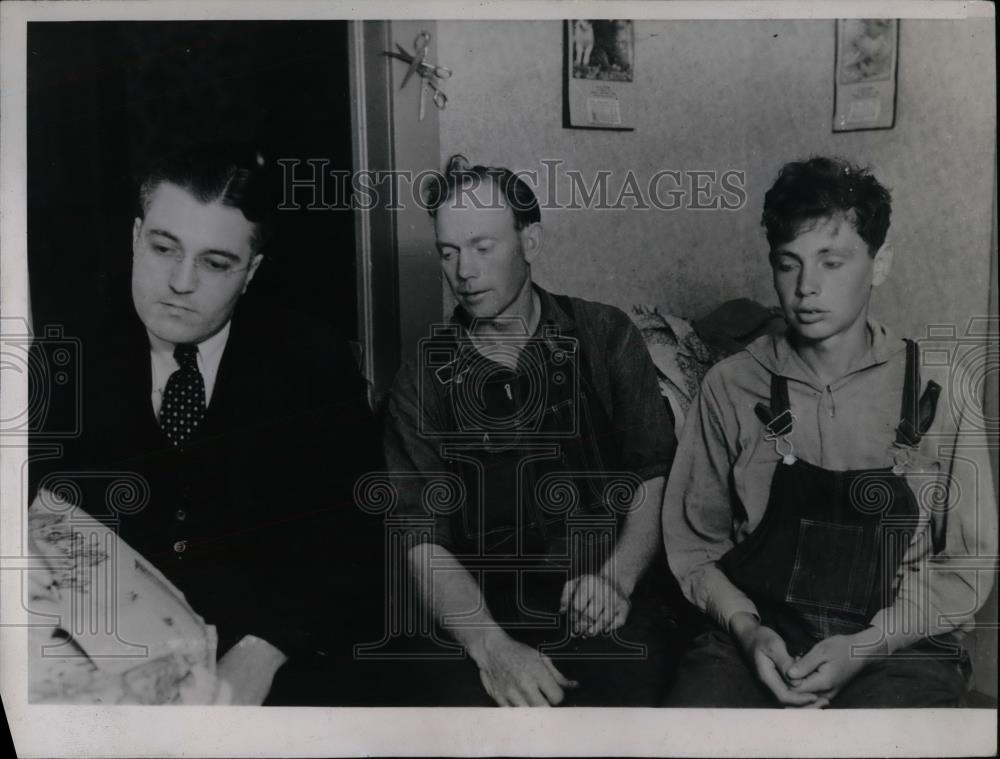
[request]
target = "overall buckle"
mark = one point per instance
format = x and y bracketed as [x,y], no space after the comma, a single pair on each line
[780,425]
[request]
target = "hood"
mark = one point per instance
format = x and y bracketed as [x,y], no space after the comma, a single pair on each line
[776,354]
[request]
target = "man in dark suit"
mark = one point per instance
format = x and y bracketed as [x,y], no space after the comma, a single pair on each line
[249,426]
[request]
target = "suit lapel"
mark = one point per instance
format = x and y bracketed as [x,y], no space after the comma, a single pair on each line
[117,405]
[244,385]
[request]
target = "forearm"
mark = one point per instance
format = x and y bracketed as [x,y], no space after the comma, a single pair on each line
[932,601]
[640,539]
[742,626]
[941,587]
[450,592]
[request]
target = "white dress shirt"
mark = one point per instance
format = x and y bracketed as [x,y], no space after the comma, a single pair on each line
[161,354]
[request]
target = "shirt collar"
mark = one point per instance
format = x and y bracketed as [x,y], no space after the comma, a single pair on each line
[551,314]
[776,353]
[209,350]
[163,363]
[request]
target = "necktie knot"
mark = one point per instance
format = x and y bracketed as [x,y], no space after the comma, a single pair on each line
[186,356]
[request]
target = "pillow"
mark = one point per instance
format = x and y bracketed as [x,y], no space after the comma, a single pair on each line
[679,354]
[683,350]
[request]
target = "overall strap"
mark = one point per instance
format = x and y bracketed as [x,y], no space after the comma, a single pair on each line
[916,414]
[586,381]
[916,417]
[779,394]
[777,418]
[600,412]
[906,430]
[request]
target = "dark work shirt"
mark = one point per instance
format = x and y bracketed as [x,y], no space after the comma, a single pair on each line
[420,422]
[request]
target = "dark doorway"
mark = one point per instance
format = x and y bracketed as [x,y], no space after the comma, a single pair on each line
[105,98]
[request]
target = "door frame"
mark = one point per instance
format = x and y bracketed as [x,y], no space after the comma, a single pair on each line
[398,274]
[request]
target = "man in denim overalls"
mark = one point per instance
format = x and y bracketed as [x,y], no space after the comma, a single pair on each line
[828,510]
[540,417]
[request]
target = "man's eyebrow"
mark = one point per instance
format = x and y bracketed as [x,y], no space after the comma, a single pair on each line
[210,252]
[224,253]
[164,233]
[474,240]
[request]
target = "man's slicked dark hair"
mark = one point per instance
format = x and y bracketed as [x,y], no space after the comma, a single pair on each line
[823,187]
[232,174]
[459,177]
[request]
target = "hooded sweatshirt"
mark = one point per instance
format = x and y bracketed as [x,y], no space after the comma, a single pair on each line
[721,477]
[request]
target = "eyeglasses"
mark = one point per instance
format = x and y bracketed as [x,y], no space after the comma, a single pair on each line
[210,265]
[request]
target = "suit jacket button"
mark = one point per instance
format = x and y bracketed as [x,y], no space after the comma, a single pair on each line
[181,515]
[180,546]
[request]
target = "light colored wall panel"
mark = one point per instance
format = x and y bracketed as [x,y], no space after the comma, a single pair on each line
[744,95]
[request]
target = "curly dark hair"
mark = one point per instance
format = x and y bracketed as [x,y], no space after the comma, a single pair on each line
[460,177]
[822,187]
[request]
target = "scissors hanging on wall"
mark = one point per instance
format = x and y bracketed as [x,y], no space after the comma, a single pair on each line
[429,73]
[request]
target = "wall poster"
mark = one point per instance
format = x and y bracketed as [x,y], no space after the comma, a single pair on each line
[600,74]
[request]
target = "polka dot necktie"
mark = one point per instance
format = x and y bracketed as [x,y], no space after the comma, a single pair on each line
[183,405]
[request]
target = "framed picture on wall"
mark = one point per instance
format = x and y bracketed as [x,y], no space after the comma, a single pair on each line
[865,74]
[600,74]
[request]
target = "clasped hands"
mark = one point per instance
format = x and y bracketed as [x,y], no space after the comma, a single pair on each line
[812,680]
[594,604]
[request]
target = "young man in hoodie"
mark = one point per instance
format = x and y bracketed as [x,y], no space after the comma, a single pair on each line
[830,509]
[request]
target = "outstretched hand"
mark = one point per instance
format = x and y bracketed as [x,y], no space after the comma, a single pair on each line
[515,674]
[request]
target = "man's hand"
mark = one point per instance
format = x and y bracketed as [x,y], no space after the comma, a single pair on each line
[831,664]
[248,668]
[595,604]
[770,659]
[517,675]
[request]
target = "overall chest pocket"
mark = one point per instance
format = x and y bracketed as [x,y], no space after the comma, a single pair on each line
[835,566]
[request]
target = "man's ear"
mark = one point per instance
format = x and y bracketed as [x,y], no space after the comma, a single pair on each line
[252,269]
[531,241]
[136,226]
[883,264]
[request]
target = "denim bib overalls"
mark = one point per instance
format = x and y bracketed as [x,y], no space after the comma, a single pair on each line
[825,556]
